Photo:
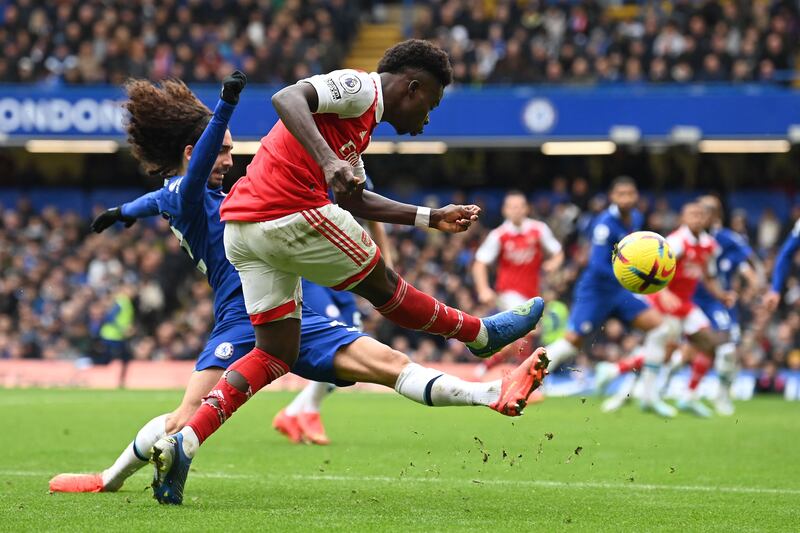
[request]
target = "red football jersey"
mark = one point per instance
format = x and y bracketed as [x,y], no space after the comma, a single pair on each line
[283,178]
[519,251]
[695,255]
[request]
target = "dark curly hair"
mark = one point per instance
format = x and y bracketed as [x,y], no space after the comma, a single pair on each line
[418,54]
[163,119]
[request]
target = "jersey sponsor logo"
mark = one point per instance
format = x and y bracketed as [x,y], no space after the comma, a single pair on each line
[350,83]
[224,350]
[349,153]
[335,94]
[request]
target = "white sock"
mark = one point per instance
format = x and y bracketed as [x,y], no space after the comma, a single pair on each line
[135,455]
[436,389]
[190,441]
[296,405]
[725,363]
[318,393]
[558,352]
[482,339]
[655,350]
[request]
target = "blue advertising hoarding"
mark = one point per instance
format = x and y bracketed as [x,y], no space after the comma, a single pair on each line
[518,115]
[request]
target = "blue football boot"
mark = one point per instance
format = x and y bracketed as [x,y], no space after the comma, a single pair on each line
[171,469]
[508,326]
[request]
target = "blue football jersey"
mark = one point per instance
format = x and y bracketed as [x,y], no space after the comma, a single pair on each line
[192,209]
[606,230]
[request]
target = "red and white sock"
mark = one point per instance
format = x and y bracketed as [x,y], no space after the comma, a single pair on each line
[258,368]
[700,366]
[630,364]
[414,309]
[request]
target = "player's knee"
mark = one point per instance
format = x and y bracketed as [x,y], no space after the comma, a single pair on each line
[237,381]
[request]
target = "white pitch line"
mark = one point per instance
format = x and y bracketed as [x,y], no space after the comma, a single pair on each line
[526,482]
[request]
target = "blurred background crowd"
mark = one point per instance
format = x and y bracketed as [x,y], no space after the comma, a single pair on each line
[490,41]
[593,42]
[68,293]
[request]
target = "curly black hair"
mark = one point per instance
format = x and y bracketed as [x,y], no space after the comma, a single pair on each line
[418,54]
[162,120]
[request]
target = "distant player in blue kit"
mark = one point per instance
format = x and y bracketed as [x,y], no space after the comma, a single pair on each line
[783,265]
[598,296]
[736,258]
[173,134]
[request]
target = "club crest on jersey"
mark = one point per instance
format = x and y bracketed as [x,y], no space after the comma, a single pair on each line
[350,83]
[335,94]
[365,239]
[224,350]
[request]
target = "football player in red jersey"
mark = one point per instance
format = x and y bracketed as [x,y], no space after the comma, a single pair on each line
[696,253]
[281,226]
[523,248]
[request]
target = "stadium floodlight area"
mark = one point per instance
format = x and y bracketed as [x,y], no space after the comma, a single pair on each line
[71,146]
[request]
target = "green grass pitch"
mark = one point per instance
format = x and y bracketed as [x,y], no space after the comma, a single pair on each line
[398,466]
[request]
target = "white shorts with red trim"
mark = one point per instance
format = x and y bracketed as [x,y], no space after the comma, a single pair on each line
[690,324]
[324,245]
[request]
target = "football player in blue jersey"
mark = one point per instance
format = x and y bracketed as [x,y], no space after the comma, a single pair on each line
[598,296]
[173,134]
[736,258]
[783,264]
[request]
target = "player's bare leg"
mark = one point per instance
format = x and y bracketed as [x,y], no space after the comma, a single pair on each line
[406,306]
[370,361]
[137,454]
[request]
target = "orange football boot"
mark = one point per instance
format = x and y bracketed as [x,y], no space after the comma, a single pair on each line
[519,385]
[77,483]
[312,428]
[288,426]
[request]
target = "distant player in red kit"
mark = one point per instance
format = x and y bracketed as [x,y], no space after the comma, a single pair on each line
[696,253]
[523,248]
[519,246]
[281,226]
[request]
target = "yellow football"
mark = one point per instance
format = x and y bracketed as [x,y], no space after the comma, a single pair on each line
[643,262]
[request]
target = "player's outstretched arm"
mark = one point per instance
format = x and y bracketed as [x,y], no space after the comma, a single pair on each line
[128,213]
[295,105]
[373,206]
[205,152]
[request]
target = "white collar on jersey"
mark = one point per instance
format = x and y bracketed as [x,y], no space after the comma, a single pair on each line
[614,210]
[379,87]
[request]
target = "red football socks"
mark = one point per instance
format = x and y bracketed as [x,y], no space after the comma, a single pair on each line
[413,309]
[630,364]
[700,366]
[258,368]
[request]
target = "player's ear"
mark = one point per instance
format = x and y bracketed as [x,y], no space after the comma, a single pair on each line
[413,86]
[187,151]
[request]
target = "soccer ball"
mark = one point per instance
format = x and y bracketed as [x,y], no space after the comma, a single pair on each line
[643,262]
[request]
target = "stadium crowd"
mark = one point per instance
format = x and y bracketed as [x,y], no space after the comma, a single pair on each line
[586,42]
[62,284]
[490,41]
[70,42]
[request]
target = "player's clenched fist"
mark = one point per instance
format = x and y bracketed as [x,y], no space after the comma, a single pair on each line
[339,175]
[232,86]
[454,218]
[108,218]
